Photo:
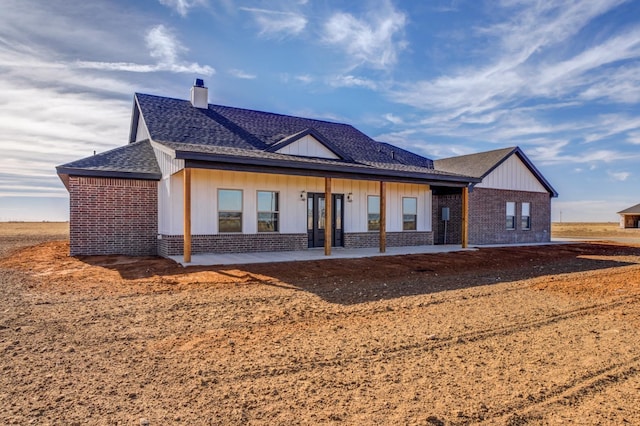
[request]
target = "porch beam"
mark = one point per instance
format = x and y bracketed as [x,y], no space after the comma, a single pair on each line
[465,217]
[327,216]
[186,192]
[383,217]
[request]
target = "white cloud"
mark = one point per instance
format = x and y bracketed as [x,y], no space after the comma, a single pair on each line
[164,47]
[619,176]
[633,138]
[371,40]
[305,78]
[393,118]
[183,6]
[241,74]
[275,23]
[352,81]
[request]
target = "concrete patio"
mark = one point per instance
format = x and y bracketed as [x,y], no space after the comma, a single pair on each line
[211,259]
[310,254]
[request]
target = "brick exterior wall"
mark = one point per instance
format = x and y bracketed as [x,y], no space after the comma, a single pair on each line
[487,217]
[454,225]
[172,245]
[394,239]
[113,216]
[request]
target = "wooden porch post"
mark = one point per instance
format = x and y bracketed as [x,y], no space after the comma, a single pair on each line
[327,216]
[383,217]
[186,190]
[465,216]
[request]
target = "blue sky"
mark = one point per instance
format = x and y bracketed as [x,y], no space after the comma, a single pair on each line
[560,79]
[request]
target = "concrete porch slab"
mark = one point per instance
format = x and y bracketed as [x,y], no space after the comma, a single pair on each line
[210,259]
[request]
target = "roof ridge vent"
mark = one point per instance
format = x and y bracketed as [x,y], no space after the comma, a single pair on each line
[200,94]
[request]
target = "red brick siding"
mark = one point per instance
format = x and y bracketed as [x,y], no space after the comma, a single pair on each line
[394,239]
[172,245]
[487,217]
[113,216]
[454,225]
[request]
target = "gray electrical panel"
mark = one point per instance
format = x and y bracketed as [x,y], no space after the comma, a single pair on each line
[445,213]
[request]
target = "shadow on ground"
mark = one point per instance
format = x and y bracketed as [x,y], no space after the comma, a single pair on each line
[352,281]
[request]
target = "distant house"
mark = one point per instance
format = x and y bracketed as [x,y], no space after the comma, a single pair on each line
[202,178]
[630,218]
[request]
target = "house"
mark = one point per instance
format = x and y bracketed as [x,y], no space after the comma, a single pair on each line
[203,178]
[630,218]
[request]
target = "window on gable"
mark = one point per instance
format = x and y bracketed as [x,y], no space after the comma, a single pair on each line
[511,215]
[409,213]
[229,210]
[373,213]
[526,216]
[268,211]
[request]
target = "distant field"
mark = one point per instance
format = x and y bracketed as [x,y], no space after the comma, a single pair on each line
[20,234]
[34,228]
[592,230]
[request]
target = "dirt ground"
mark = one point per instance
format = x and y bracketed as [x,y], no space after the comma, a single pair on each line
[508,336]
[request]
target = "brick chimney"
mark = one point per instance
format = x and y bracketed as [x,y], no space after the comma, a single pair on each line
[199,94]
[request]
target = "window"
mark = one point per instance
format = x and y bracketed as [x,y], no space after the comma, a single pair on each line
[229,210]
[373,213]
[511,215]
[526,216]
[409,214]
[268,211]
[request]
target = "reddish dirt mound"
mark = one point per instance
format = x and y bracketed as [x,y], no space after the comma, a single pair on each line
[123,274]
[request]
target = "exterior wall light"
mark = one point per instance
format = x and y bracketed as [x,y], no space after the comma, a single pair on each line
[350,197]
[303,196]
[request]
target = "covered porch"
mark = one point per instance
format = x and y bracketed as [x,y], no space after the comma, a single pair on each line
[349,190]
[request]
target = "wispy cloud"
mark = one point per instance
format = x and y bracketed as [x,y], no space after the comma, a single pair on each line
[305,78]
[164,47]
[373,40]
[241,74]
[619,176]
[527,75]
[183,6]
[393,118]
[352,81]
[277,24]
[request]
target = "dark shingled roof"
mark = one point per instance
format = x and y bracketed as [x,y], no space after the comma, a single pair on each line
[631,210]
[177,121]
[477,165]
[221,136]
[136,161]
[481,164]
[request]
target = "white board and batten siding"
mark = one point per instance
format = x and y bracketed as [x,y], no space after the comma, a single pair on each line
[514,175]
[308,146]
[293,211]
[141,131]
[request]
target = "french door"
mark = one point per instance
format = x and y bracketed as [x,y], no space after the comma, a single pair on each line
[316,225]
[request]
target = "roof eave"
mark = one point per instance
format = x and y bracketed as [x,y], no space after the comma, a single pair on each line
[71,171]
[343,169]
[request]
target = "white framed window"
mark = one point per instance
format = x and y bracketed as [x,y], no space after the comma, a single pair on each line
[268,211]
[511,215]
[229,210]
[373,213]
[409,213]
[526,216]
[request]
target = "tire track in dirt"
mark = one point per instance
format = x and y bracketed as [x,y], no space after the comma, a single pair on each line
[570,393]
[430,344]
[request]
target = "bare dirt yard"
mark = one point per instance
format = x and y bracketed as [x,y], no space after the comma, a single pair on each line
[508,336]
